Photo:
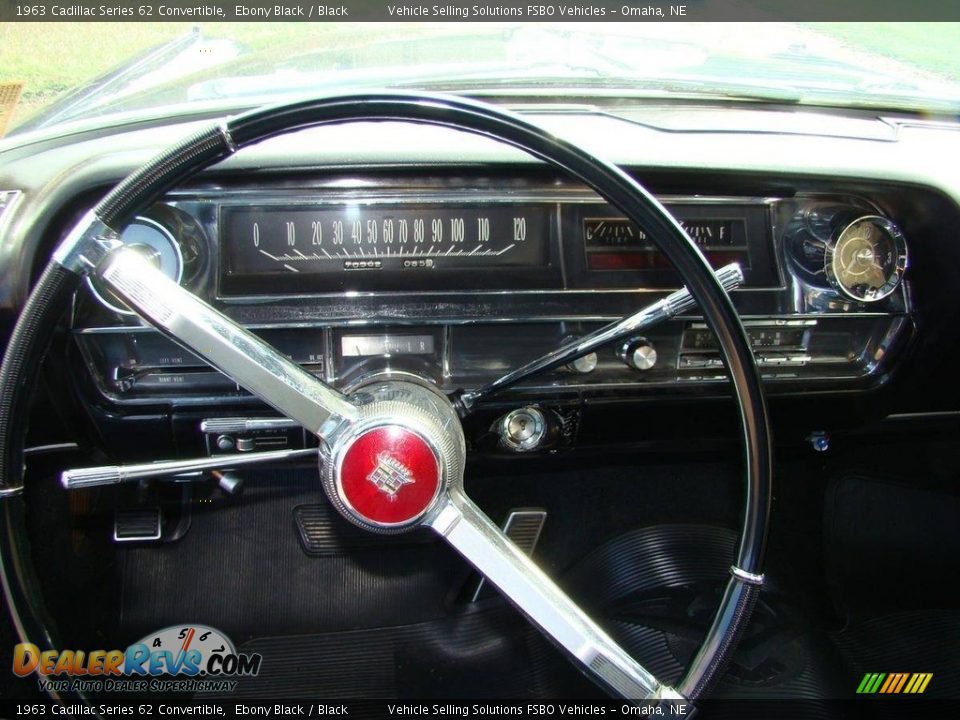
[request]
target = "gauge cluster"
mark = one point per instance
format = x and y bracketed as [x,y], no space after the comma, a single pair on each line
[295,244]
[461,285]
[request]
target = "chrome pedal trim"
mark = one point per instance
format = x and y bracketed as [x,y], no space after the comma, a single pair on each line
[140,525]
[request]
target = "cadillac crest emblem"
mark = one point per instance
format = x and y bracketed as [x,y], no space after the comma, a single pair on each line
[390,475]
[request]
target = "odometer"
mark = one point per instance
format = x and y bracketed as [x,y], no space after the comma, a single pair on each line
[379,244]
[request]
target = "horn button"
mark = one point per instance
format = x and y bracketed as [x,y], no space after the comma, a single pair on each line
[389,470]
[389,476]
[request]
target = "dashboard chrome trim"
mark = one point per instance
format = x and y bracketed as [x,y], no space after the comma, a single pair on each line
[178,252]
[382,193]
[782,305]
[51,448]
[805,319]
[729,276]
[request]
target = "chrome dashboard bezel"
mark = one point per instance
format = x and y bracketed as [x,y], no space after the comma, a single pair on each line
[178,252]
[447,309]
[900,266]
[338,194]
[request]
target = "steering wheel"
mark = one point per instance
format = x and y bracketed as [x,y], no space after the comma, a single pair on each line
[392,454]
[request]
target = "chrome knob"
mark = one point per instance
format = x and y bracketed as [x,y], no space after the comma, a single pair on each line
[584,364]
[229,482]
[638,353]
[523,429]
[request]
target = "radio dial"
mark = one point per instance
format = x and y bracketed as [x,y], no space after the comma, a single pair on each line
[638,353]
[582,365]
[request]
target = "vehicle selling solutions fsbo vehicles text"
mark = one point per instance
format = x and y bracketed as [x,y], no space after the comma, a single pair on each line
[534,11]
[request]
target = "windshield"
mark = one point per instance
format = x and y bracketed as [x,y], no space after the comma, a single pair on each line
[64,72]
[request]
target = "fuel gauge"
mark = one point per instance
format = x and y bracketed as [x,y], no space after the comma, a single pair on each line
[867,260]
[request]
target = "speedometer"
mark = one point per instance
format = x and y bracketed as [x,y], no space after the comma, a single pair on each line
[376,246]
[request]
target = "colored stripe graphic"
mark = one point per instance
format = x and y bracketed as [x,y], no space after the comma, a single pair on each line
[903,680]
[894,683]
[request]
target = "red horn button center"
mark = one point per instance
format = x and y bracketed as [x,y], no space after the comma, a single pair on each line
[389,476]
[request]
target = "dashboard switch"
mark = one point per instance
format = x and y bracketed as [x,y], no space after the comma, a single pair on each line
[638,353]
[523,429]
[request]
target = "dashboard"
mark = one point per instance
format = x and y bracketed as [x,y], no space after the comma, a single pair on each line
[460,268]
[552,263]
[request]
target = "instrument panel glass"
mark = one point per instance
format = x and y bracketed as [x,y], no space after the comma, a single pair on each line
[380,246]
[868,259]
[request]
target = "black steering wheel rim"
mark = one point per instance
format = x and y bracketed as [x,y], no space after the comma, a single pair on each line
[49,300]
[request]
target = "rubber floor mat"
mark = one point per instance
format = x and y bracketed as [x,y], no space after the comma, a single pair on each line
[660,588]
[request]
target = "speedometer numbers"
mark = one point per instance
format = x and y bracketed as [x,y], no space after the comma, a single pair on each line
[369,238]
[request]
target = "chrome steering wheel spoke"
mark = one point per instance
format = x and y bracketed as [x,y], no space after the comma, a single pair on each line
[234,351]
[730,277]
[485,546]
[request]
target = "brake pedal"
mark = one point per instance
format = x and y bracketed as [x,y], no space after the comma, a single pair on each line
[138,525]
[523,526]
